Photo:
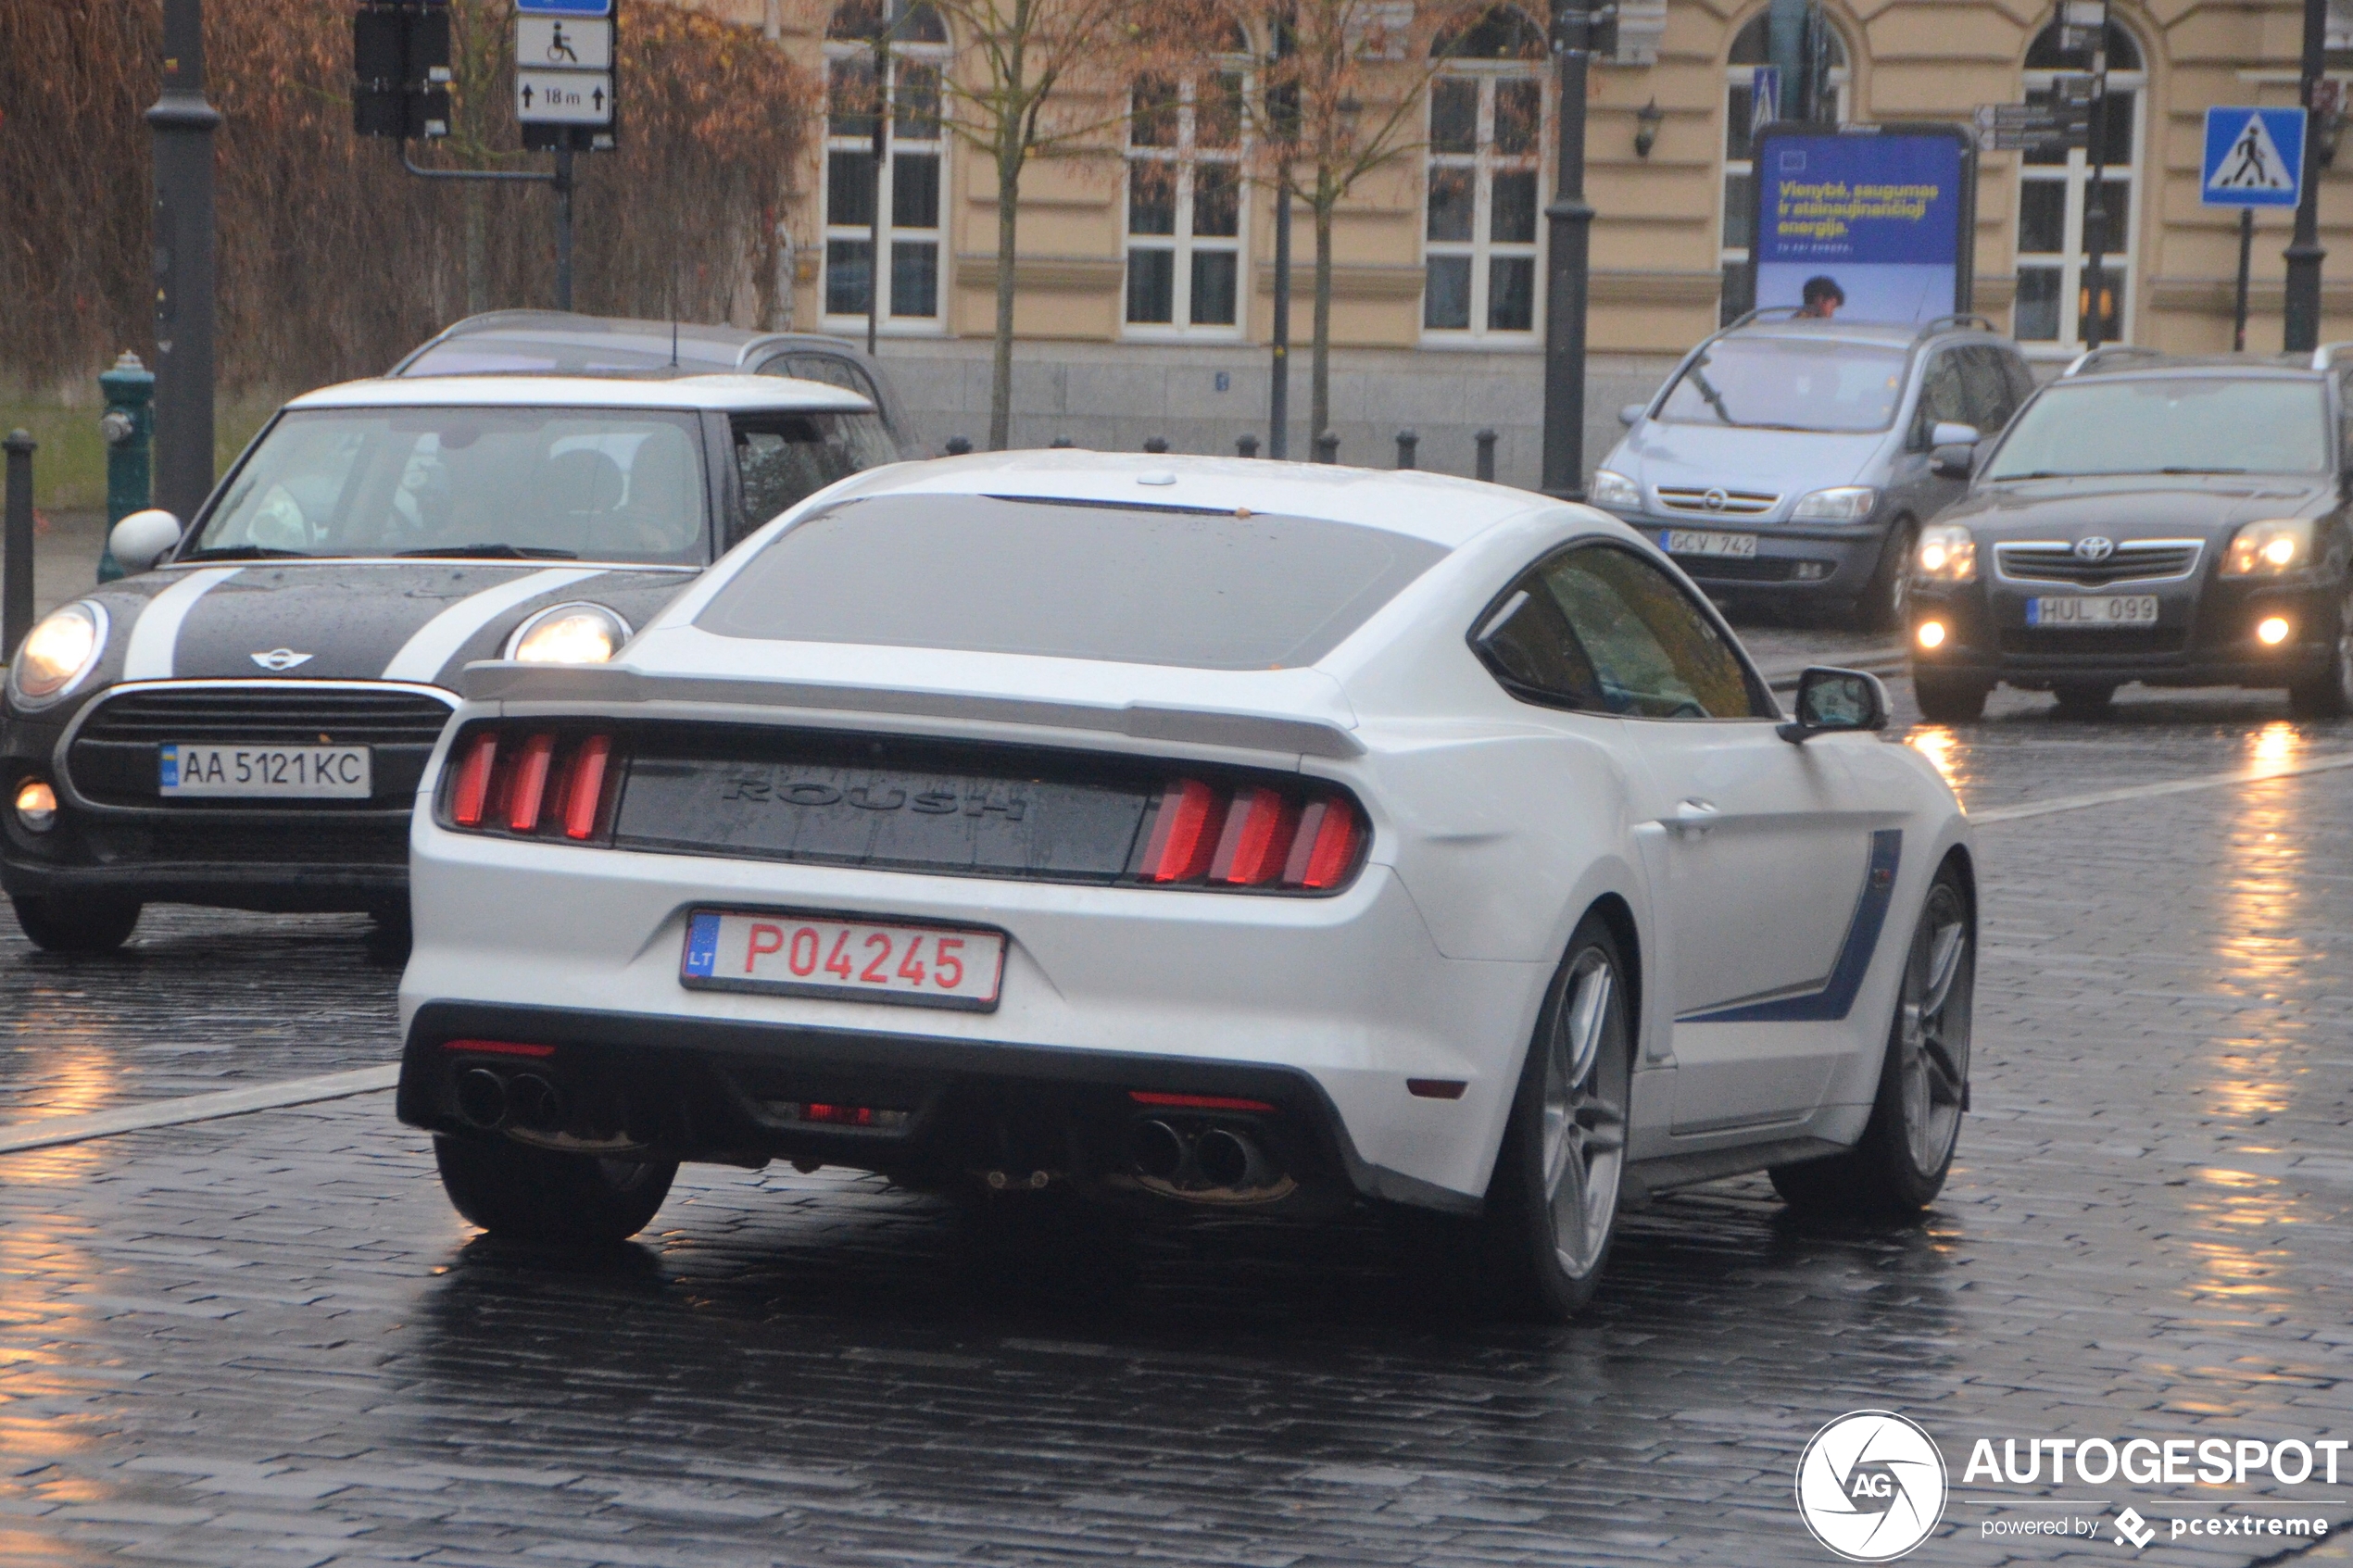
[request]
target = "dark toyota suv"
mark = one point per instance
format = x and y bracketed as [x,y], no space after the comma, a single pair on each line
[2174,521]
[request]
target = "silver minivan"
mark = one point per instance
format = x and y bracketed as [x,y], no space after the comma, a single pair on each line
[1794,461]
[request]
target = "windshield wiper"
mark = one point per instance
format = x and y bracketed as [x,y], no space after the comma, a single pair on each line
[2200,470]
[246,552]
[492,552]
[1714,399]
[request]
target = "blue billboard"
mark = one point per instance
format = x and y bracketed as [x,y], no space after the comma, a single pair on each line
[1864,225]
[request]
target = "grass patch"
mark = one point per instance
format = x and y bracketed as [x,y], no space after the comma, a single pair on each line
[69,469]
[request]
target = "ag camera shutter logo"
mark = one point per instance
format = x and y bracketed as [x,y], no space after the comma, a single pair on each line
[1870,1486]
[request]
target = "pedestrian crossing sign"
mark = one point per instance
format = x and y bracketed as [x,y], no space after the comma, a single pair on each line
[2254,158]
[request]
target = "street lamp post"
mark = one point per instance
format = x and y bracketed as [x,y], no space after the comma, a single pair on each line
[183,125]
[1569,232]
[2302,325]
[2096,199]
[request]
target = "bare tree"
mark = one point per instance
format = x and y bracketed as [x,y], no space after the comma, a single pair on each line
[1342,98]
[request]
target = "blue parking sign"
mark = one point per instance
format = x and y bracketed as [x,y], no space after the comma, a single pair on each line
[2254,158]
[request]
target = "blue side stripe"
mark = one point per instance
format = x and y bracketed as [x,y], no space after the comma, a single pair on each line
[1836,998]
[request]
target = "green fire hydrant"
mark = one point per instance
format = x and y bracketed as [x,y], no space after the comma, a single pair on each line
[128,425]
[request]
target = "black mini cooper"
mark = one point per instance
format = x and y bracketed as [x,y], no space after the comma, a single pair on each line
[242,721]
[2174,521]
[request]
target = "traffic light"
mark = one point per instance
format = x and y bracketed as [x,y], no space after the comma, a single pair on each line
[400,68]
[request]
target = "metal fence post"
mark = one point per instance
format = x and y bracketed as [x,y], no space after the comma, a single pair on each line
[129,426]
[1156,444]
[16,545]
[1246,445]
[958,446]
[1407,440]
[1486,439]
[1327,447]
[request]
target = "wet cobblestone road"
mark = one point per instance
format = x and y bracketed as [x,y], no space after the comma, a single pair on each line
[268,1340]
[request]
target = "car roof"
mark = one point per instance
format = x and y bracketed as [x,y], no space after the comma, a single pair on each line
[1438,508]
[1892,334]
[717,394]
[2156,367]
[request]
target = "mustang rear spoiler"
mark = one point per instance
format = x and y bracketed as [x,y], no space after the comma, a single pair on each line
[507,681]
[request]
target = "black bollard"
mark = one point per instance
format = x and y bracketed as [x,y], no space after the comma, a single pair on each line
[958,446]
[1407,440]
[1058,442]
[1327,447]
[1486,439]
[16,545]
[1246,445]
[1156,444]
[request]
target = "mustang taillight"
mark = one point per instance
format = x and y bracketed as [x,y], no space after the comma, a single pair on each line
[533,782]
[1250,836]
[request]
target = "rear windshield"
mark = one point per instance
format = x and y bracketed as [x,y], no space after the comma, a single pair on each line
[1787,384]
[1128,584]
[2168,424]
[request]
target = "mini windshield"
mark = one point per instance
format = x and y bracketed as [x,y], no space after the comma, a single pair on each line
[1208,590]
[2170,424]
[1787,384]
[592,483]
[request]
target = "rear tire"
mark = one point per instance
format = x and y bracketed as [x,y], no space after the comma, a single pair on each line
[1544,1235]
[2329,695]
[2087,701]
[543,1199]
[1899,1165]
[82,924]
[1944,699]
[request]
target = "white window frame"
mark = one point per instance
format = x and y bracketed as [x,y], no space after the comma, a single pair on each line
[936,55]
[1738,77]
[2123,244]
[1187,157]
[1486,163]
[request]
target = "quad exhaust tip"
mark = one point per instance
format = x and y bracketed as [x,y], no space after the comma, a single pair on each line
[482,1098]
[488,1101]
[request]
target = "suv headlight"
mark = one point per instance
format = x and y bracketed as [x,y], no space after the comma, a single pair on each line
[1946,554]
[1615,490]
[1847,503]
[57,654]
[2269,548]
[577,634]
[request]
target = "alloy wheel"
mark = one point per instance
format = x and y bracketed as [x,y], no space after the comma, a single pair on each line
[1932,1042]
[1586,1084]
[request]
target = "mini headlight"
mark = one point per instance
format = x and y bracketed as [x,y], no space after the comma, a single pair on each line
[1847,503]
[578,633]
[57,653]
[1946,554]
[1614,490]
[2269,548]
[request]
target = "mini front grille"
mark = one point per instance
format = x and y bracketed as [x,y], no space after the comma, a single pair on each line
[2135,560]
[1715,502]
[115,756]
[2083,642]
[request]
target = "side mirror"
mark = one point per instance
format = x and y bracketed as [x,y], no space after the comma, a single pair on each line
[140,540]
[1831,700]
[1952,432]
[1953,462]
[1630,413]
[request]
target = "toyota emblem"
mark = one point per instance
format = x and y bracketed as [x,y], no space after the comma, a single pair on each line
[1714,500]
[2095,549]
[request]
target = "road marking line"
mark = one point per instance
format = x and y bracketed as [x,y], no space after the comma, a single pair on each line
[48,1132]
[2172,787]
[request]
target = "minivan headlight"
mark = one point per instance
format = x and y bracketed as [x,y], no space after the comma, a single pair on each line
[1846,503]
[58,652]
[1946,554]
[1615,490]
[2269,548]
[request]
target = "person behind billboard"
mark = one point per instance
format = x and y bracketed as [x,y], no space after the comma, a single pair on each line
[1864,223]
[1821,298]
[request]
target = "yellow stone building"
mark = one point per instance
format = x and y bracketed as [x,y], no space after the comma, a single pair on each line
[1144,303]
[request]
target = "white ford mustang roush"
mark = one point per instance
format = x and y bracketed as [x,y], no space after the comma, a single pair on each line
[1189,834]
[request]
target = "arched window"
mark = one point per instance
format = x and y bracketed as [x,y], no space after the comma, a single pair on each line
[1482,238]
[2054,190]
[1185,206]
[908,189]
[1821,91]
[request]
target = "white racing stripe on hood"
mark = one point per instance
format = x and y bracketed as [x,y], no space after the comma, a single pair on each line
[154,637]
[438,640]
